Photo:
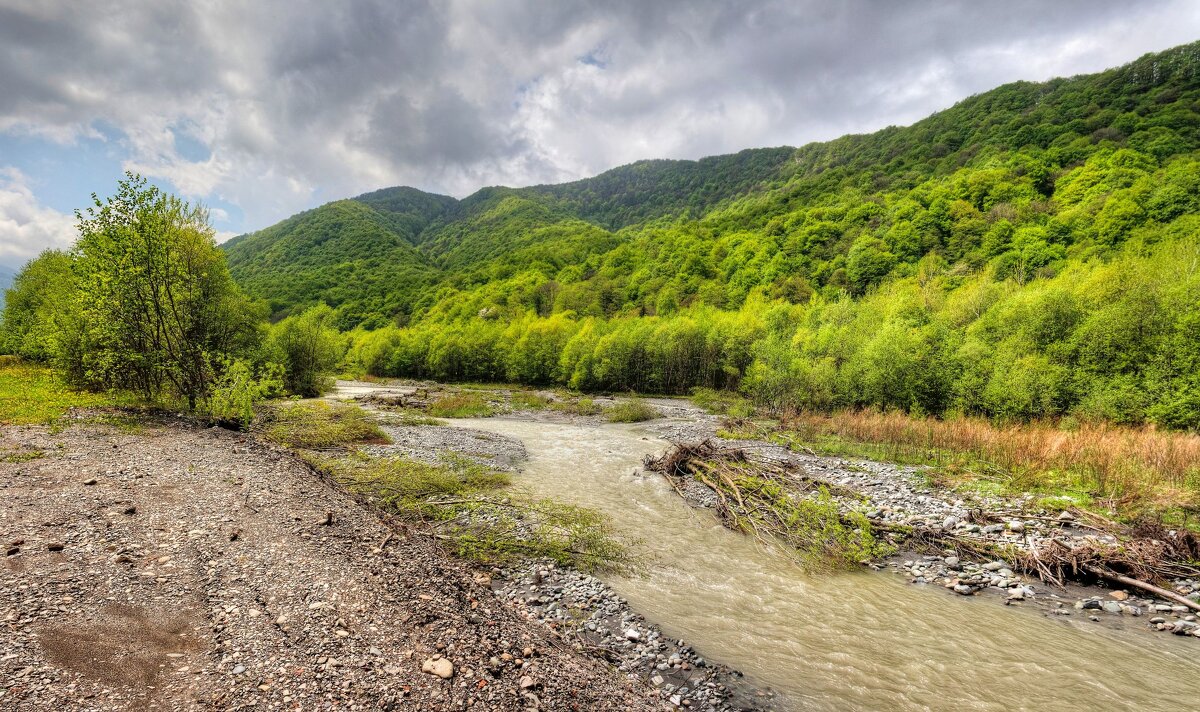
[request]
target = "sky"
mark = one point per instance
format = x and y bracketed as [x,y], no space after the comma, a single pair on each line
[260,110]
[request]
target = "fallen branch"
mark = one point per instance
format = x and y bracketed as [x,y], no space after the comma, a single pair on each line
[1151,588]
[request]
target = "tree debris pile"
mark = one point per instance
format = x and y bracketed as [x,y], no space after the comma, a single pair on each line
[776,504]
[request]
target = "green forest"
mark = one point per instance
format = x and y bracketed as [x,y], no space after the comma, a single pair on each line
[1031,253]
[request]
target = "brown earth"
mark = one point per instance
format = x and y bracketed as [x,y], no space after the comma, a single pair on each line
[198,571]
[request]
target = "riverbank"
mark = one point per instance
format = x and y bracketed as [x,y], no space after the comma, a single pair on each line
[182,567]
[896,496]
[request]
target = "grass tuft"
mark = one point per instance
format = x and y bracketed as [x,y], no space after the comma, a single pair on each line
[320,425]
[461,405]
[1129,473]
[722,402]
[634,410]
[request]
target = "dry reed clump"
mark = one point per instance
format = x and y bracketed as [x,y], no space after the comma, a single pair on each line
[1135,469]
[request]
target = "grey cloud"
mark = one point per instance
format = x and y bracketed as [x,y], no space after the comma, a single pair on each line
[304,101]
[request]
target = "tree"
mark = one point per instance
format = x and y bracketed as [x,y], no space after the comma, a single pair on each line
[37,307]
[158,310]
[309,348]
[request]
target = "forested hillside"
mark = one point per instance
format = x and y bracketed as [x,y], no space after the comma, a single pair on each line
[1029,252]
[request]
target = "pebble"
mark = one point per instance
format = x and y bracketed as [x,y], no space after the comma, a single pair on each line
[441,667]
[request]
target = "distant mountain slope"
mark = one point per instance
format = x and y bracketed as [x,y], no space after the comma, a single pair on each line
[347,253]
[1049,158]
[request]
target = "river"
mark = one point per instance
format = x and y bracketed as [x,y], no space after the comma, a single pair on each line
[852,641]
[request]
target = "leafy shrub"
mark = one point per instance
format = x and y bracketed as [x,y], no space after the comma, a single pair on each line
[238,391]
[633,410]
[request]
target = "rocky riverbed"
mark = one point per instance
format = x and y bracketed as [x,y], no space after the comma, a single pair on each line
[901,495]
[887,494]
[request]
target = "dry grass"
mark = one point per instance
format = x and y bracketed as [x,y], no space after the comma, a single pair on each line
[1130,471]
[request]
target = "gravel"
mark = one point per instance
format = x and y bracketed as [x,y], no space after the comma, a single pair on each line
[204,570]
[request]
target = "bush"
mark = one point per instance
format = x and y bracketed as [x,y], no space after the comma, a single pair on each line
[634,410]
[309,348]
[238,391]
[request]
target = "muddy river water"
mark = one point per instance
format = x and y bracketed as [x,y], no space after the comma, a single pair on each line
[855,641]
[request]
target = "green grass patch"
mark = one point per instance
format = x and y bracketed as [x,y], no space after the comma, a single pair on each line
[470,509]
[31,394]
[412,418]
[17,455]
[320,425]
[633,410]
[722,403]
[577,406]
[461,405]
[528,400]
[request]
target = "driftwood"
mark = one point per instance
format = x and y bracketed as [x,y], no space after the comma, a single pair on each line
[1146,554]
[1150,588]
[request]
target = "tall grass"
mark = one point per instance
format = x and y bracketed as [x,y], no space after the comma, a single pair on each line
[1133,470]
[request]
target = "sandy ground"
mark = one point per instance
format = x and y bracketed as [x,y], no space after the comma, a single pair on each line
[189,568]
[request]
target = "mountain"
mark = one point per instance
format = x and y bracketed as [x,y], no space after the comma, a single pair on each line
[1030,252]
[371,255]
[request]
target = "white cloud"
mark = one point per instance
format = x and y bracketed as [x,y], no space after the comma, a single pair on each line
[302,101]
[27,227]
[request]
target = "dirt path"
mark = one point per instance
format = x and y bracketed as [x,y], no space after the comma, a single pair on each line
[189,568]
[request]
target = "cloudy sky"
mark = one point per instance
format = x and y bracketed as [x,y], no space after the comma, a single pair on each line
[262,109]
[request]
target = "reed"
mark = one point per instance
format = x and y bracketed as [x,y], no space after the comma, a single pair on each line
[1132,471]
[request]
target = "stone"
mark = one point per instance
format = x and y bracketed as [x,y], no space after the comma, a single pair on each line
[525,682]
[90,481]
[1119,595]
[950,523]
[952,561]
[55,546]
[1016,526]
[441,667]
[963,589]
[238,670]
[1112,607]
[1066,516]
[993,566]
[632,634]
[1016,594]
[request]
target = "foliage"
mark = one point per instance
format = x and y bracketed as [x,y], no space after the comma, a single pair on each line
[37,307]
[318,425]
[631,410]
[1027,253]
[309,349]
[239,390]
[143,303]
